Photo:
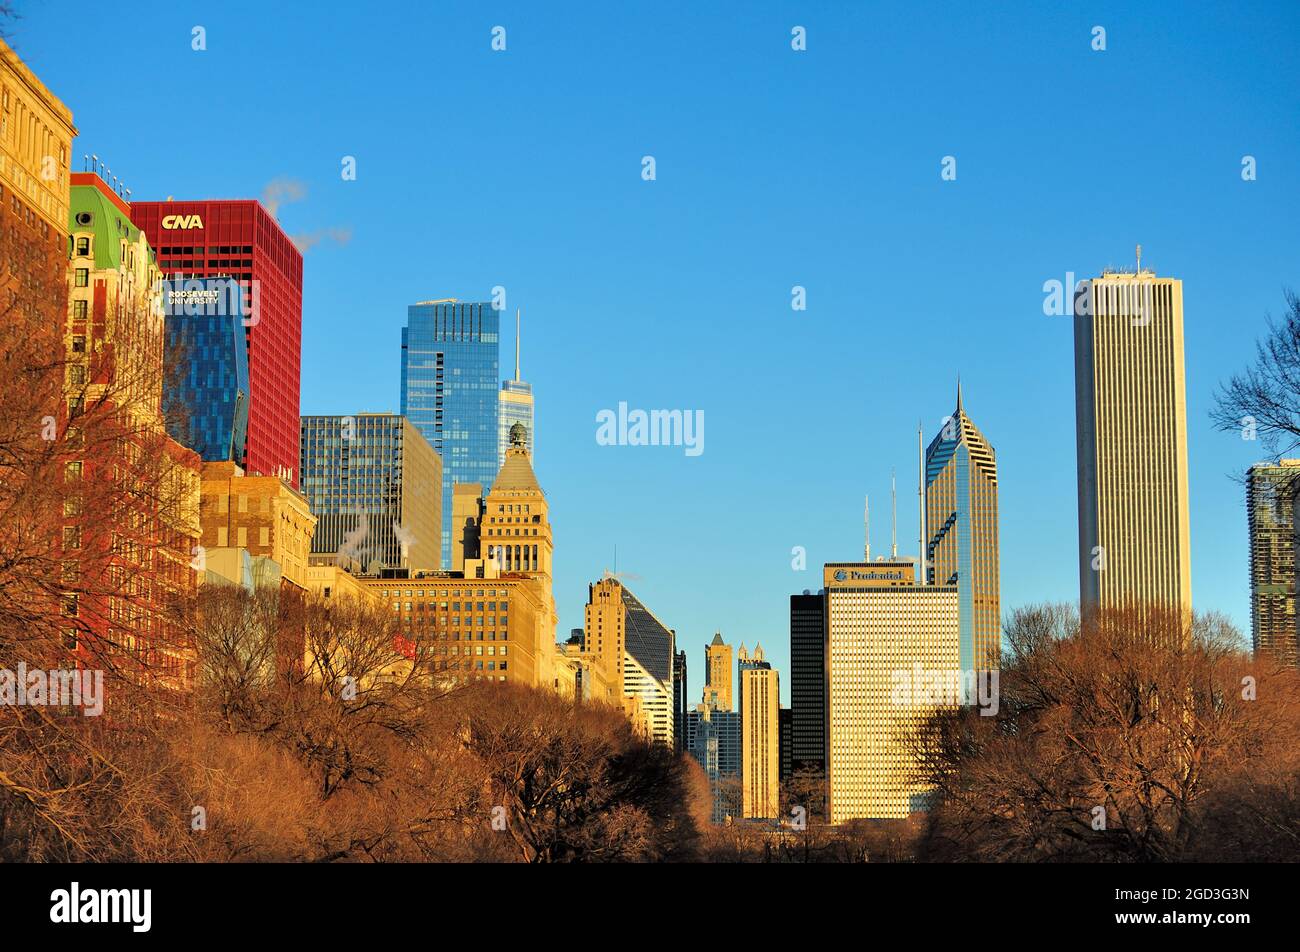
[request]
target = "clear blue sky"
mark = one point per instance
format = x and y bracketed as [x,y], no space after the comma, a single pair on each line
[775,168]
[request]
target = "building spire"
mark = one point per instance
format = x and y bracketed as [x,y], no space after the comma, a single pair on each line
[959,391]
[518,311]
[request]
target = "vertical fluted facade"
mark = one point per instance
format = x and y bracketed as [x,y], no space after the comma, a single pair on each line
[1131,424]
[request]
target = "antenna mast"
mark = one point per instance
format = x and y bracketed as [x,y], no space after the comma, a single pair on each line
[893,491]
[866,518]
[518,311]
[920,499]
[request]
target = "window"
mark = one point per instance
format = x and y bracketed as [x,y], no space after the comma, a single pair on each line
[76,375]
[83,246]
[78,344]
[72,471]
[82,278]
[80,309]
[72,537]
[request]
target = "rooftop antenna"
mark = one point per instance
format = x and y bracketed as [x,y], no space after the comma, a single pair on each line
[518,311]
[866,518]
[85,162]
[893,491]
[920,495]
[94,163]
[1139,259]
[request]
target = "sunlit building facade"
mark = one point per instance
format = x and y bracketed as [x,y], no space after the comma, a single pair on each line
[1131,425]
[760,746]
[961,500]
[882,628]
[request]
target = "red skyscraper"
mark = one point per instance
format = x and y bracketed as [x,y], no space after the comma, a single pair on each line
[240,240]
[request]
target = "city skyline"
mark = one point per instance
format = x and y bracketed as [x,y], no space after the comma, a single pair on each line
[346,366]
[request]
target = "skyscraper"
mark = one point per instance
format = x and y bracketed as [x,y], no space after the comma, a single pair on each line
[241,240]
[885,634]
[717,673]
[1131,424]
[633,650]
[1270,514]
[760,727]
[449,391]
[375,485]
[961,526]
[516,399]
[680,703]
[808,682]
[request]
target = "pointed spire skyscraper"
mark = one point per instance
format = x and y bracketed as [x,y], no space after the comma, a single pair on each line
[960,492]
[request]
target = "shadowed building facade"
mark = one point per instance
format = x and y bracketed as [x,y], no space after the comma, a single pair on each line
[1270,512]
[961,508]
[1131,426]
[808,682]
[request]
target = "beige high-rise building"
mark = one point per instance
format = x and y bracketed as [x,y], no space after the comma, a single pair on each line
[760,736]
[717,674]
[1131,421]
[888,641]
[632,653]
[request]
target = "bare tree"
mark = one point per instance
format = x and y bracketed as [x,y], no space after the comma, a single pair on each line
[1114,740]
[1264,400]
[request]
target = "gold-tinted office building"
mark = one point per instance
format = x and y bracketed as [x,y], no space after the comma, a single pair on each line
[1131,425]
[760,730]
[717,674]
[961,518]
[881,627]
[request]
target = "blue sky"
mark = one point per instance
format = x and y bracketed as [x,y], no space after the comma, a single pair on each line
[775,168]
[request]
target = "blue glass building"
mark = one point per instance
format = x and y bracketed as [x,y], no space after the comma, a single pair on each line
[450,363]
[206,389]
